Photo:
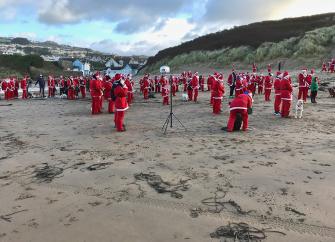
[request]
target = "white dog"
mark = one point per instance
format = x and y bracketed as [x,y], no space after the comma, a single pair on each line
[299,108]
[184,97]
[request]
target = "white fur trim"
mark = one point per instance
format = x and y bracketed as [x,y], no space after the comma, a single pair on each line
[241,108]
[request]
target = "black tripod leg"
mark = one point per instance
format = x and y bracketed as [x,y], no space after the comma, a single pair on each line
[179,121]
[167,124]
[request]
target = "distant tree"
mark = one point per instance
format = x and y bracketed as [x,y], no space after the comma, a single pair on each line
[20,41]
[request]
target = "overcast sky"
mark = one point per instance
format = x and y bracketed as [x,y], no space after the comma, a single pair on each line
[129,27]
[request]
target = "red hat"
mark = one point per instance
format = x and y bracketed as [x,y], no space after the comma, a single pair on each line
[117,77]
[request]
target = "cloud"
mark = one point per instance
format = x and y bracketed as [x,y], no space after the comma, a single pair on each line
[130,16]
[240,11]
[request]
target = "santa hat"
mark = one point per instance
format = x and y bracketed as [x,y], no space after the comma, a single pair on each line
[117,77]
[286,75]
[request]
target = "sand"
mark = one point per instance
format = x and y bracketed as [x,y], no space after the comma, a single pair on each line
[281,172]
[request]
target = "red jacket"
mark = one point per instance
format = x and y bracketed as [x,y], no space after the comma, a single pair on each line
[195,82]
[165,90]
[302,80]
[268,83]
[276,86]
[120,93]
[95,88]
[286,89]
[107,89]
[4,85]
[242,102]
[218,90]
[23,84]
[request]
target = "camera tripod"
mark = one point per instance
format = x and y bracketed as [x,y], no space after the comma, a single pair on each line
[169,119]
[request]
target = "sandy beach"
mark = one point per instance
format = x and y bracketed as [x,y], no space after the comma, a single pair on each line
[68,176]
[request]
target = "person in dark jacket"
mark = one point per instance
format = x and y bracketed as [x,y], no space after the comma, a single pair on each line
[41,83]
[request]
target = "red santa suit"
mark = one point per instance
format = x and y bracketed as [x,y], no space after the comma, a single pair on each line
[254,68]
[82,86]
[130,93]
[276,86]
[218,92]
[11,87]
[5,88]
[195,87]
[324,67]
[107,94]
[24,88]
[239,87]
[165,93]
[209,82]
[202,84]
[70,91]
[157,85]
[96,94]
[260,84]
[146,87]
[16,88]
[51,87]
[302,94]
[121,105]
[239,105]
[286,95]
[268,88]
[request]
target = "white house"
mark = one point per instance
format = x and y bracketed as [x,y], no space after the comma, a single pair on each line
[127,69]
[113,64]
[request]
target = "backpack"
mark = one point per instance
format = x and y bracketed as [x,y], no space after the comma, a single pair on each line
[115,84]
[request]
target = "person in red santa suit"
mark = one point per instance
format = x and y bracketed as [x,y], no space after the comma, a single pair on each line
[332,66]
[146,87]
[218,92]
[24,87]
[239,86]
[254,68]
[130,93]
[174,86]
[120,92]
[96,93]
[209,82]
[82,86]
[260,83]
[286,95]
[324,67]
[51,86]
[195,86]
[302,85]
[16,88]
[240,106]
[165,93]
[202,83]
[269,68]
[11,88]
[5,88]
[276,86]
[107,88]
[268,87]
[141,84]
[157,86]
[70,90]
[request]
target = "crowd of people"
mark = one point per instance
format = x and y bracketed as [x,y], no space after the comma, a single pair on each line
[118,91]
[329,67]
[242,88]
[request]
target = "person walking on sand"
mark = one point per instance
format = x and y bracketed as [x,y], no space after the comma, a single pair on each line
[41,83]
[314,88]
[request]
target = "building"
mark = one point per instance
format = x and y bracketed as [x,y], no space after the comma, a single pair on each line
[85,67]
[127,69]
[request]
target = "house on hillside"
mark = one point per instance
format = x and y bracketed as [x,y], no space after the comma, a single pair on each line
[113,64]
[125,70]
[85,67]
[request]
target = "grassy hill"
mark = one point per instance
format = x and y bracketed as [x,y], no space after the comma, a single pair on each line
[33,65]
[303,38]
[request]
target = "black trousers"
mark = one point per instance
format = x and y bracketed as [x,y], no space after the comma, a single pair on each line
[232,89]
[313,96]
[42,91]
